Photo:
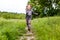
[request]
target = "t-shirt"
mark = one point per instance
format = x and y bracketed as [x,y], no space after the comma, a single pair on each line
[28,13]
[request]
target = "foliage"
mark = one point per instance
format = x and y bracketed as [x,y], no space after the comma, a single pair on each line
[11,29]
[43,28]
[46,28]
[40,5]
[10,15]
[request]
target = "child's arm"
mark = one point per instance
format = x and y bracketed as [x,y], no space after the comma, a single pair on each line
[34,13]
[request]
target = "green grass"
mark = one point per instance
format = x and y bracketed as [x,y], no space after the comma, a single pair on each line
[46,29]
[11,29]
[43,28]
[10,15]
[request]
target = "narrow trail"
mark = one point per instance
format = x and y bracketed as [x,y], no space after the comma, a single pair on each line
[27,36]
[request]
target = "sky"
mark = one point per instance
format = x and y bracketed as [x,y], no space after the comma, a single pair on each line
[13,5]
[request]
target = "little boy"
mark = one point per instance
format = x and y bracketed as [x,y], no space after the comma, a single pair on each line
[29,16]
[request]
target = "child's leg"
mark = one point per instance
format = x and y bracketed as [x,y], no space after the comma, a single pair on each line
[28,22]
[29,25]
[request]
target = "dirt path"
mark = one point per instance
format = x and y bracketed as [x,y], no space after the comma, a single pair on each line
[27,36]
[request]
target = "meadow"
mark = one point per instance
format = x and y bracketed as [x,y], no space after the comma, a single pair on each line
[11,29]
[11,15]
[47,28]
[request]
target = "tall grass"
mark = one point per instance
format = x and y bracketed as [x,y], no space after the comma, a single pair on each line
[46,28]
[10,15]
[43,28]
[11,29]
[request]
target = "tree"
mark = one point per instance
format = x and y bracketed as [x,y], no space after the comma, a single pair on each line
[40,5]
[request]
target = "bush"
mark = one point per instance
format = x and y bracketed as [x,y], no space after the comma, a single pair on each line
[9,15]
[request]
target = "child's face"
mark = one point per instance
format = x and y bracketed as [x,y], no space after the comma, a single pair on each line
[29,7]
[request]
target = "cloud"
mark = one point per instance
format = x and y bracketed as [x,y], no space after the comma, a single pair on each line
[13,5]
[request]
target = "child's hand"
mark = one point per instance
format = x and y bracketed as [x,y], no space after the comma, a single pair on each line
[36,13]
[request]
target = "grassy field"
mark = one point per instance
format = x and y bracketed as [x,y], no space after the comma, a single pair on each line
[47,28]
[43,28]
[10,15]
[10,29]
